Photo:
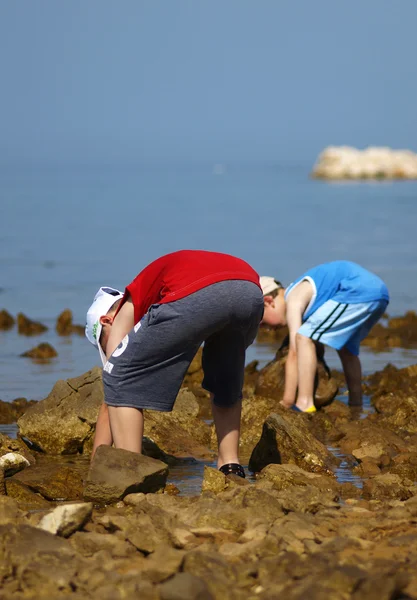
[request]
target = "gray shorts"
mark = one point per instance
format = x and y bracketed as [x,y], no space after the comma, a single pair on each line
[148,367]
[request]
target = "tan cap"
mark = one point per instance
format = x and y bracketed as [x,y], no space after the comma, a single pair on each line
[269,284]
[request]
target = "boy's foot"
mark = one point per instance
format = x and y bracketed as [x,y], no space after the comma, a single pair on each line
[233,469]
[311,409]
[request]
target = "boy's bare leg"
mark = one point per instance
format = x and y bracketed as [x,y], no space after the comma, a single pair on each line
[353,374]
[126,425]
[227,423]
[307,367]
[102,435]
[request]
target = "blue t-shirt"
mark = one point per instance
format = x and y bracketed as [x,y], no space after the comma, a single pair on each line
[342,281]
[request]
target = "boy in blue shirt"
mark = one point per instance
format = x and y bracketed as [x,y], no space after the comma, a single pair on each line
[336,304]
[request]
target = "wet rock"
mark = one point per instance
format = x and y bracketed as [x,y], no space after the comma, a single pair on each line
[400,332]
[271,379]
[26,326]
[6,320]
[26,498]
[114,473]
[286,439]
[213,481]
[388,486]
[66,519]
[65,326]
[64,422]
[184,586]
[11,411]
[287,476]
[12,462]
[64,323]
[43,351]
[53,481]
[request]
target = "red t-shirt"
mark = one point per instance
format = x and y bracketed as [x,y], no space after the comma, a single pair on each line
[182,273]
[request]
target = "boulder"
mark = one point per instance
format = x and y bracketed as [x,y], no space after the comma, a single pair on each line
[271,378]
[12,462]
[43,351]
[115,473]
[26,326]
[11,411]
[180,432]
[9,511]
[53,481]
[10,445]
[345,162]
[64,520]
[286,439]
[26,498]
[64,323]
[64,422]
[388,486]
[6,320]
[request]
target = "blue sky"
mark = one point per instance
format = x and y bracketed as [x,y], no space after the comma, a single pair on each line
[96,81]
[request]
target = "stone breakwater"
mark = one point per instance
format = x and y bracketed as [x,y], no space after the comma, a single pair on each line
[118,529]
[344,162]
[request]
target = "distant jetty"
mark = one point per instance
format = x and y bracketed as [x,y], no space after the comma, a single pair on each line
[344,162]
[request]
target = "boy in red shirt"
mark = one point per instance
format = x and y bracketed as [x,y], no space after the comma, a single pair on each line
[148,336]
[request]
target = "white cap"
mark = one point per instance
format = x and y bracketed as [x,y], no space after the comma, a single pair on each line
[269,284]
[102,303]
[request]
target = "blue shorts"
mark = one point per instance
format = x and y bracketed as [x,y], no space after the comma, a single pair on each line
[343,325]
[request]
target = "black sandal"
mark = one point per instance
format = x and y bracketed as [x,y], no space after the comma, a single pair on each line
[233,469]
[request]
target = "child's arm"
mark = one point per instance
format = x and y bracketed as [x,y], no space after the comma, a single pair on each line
[353,374]
[296,304]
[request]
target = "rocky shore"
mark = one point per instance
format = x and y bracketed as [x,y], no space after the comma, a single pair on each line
[118,528]
[344,162]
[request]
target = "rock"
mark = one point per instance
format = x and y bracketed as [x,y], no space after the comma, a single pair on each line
[9,511]
[26,498]
[287,476]
[8,445]
[163,564]
[271,379]
[388,486]
[43,351]
[6,320]
[64,422]
[36,563]
[66,519]
[114,473]
[54,481]
[12,462]
[11,411]
[184,586]
[213,481]
[286,439]
[179,432]
[344,162]
[64,323]
[27,327]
